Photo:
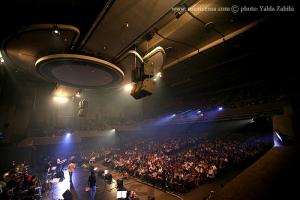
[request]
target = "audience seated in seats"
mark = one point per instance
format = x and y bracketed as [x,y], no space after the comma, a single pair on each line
[175,163]
[180,164]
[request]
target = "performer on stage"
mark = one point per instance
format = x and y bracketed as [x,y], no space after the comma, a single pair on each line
[71,169]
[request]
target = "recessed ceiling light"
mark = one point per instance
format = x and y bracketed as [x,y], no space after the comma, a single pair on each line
[56,32]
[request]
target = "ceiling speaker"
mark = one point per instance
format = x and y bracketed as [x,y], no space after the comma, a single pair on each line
[143,88]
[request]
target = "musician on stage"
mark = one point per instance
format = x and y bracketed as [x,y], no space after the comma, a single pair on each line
[48,167]
[71,169]
[58,163]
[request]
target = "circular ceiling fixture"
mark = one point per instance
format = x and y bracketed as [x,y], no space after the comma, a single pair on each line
[79,70]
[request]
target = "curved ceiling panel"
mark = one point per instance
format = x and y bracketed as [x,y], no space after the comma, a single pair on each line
[27,45]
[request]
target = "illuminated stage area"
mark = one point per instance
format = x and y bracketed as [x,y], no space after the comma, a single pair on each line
[104,188]
[77,187]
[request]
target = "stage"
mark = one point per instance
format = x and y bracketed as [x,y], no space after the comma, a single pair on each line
[105,190]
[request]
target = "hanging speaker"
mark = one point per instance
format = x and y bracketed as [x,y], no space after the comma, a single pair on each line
[143,88]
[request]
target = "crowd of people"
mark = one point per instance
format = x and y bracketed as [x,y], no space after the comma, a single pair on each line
[18,182]
[175,162]
[180,164]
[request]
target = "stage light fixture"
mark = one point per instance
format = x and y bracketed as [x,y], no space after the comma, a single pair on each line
[281,139]
[83,108]
[78,95]
[128,87]
[55,30]
[1,58]
[157,76]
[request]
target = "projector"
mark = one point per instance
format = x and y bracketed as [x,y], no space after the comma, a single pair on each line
[143,88]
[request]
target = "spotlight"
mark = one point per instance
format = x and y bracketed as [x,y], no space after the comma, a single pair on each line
[278,136]
[128,87]
[77,94]
[1,59]
[55,30]
[157,76]
[113,130]
[60,99]
[174,115]
[68,134]
[220,108]
[199,111]
[281,139]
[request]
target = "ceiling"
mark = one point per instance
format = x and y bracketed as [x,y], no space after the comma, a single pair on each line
[205,51]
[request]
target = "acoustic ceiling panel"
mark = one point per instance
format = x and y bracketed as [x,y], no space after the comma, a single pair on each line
[124,23]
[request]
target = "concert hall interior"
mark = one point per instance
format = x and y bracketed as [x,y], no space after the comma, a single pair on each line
[149,100]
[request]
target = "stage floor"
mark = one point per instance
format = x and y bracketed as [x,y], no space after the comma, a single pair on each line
[105,190]
[80,181]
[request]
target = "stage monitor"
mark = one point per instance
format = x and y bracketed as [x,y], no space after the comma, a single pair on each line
[121,194]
